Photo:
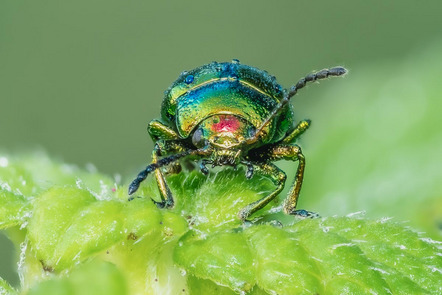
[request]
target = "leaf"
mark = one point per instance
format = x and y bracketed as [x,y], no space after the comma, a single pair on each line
[13,209]
[91,278]
[223,257]
[324,256]
[70,224]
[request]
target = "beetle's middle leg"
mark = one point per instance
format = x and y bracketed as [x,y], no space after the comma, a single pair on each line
[295,133]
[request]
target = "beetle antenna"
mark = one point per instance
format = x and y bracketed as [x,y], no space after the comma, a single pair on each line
[133,187]
[323,74]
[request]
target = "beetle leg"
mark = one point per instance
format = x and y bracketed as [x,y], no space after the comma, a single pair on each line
[168,147]
[163,148]
[165,193]
[277,176]
[159,130]
[293,153]
[295,133]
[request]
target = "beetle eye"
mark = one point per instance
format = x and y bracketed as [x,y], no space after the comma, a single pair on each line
[197,138]
[251,132]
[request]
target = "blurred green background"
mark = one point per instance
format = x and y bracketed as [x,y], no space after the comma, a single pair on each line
[82,79]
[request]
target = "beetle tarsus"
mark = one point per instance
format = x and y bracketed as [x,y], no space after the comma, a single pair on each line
[304,214]
[164,204]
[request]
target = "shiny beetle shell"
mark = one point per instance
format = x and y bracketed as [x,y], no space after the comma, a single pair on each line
[226,88]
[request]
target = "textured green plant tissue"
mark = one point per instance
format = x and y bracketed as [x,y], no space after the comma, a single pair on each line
[77,233]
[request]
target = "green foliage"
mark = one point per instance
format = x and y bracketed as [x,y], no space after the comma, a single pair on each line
[323,256]
[94,277]
[77,239]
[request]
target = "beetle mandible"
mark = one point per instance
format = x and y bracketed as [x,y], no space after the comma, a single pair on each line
[230,114]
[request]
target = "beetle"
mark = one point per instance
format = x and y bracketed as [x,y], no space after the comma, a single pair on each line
[230,114]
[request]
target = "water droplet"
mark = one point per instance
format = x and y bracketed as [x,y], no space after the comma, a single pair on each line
[189,79]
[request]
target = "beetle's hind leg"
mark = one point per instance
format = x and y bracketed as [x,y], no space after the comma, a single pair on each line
[278,177]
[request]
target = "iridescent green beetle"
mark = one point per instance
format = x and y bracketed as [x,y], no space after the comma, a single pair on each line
[230,114]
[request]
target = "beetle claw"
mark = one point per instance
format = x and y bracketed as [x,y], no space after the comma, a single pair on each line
[163,204]
[160,205]
[305,214]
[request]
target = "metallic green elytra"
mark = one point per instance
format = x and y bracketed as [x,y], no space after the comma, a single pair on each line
[230,114]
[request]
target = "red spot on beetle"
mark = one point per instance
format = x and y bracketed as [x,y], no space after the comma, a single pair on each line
[226,124]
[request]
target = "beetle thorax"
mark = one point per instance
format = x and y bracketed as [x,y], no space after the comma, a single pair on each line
[225,135]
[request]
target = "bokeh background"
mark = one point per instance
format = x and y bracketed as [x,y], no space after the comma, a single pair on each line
[81,80]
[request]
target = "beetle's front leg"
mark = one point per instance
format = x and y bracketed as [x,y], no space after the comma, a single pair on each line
[162,148]
[277,176]
[292,153]
[165,139]
[295,133]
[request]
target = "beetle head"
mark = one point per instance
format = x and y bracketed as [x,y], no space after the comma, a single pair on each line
[224,134]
